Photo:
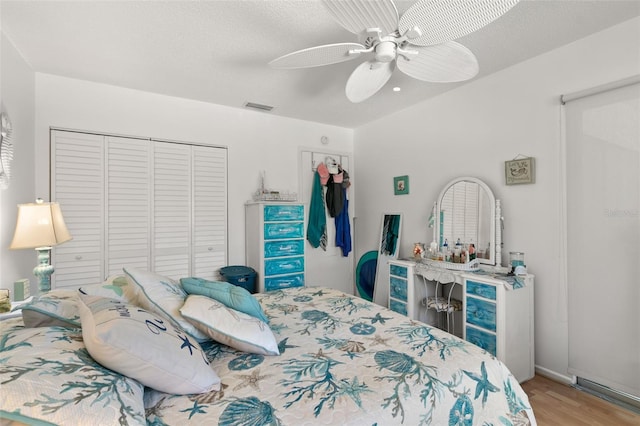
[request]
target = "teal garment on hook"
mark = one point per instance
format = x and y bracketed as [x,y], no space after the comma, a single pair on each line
[317,217]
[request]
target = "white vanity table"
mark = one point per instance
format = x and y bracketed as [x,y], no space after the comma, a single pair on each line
[497,310]
[496,315]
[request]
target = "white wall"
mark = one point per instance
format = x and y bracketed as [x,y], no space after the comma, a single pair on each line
[256,141]
[17,98]
[472,131]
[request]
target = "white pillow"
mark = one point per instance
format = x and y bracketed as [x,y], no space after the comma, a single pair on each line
[226,325]
[115,287]
[162,295]
[58,307]
[144,346]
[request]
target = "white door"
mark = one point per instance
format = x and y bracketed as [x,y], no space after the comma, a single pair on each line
[77,184]
[326,268]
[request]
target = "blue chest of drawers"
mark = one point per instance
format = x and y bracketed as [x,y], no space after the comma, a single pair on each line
[275,244]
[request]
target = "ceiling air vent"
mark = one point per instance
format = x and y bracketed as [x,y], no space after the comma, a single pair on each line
[258,106]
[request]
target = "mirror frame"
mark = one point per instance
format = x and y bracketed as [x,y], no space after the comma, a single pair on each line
[495,239]
[381,286]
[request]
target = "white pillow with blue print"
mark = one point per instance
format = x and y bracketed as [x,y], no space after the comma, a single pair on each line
[230,327]
[55,308]
[162,295]
[230,295]
[115,287]
[144,346]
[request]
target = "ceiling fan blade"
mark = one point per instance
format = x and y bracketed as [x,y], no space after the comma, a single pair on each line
[317,56]
[441,21]
[358,15]
[367,79]
[443,63]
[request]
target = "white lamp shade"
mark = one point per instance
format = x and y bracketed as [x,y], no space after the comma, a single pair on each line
[39,225]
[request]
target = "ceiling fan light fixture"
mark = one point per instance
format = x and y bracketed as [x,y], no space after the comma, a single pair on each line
[385,51]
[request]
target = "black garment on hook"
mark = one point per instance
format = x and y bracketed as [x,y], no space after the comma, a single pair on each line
[334,197]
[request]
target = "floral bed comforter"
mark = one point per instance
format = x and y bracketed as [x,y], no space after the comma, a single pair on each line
[347,361]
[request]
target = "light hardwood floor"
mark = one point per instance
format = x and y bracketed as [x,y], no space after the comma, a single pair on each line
[556,404]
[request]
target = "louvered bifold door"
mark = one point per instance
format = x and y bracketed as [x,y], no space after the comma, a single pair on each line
[128,184]
[171,250]
[77,184]
[210,211]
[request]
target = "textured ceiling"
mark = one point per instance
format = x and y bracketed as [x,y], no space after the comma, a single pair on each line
[217,51]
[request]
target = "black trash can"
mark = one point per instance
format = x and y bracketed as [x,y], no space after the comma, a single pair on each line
[242,276]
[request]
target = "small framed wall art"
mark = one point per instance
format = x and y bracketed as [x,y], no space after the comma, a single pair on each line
[401,185]
[520,170]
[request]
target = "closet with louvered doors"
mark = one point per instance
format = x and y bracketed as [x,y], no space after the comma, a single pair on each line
[137,202]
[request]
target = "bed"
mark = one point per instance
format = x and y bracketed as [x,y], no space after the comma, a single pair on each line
[338,359]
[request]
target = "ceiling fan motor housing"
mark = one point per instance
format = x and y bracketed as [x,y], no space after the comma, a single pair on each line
[386,51]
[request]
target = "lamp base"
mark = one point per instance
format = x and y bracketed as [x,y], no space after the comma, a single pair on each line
[44,270]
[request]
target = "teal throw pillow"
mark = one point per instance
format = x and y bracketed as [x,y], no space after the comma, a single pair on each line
[230,295]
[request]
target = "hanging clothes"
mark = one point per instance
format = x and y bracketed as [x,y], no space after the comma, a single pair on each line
[317,226]
[343,228]
[335,200]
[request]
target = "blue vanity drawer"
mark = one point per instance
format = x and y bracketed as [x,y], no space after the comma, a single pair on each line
[283,213]
[487,291]
[287,265]
[481,313]
[285,281]
[486,341]
[397,270]
[398,288]
[283,248]
[275,231]
[398,307]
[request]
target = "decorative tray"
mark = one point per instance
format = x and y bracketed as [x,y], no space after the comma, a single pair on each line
[275,196]
[474,265]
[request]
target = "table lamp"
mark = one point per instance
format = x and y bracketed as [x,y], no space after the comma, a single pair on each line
[40,225]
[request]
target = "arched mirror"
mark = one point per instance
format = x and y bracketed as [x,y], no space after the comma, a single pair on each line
[466,210]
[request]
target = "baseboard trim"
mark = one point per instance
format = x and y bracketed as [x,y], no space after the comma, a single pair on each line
[625,400]
[550,374]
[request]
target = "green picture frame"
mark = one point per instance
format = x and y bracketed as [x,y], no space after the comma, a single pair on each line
[401,185]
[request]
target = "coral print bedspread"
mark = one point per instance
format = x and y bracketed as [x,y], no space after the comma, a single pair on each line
[347,361]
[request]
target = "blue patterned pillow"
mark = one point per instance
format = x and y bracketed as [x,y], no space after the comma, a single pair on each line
[230,295]
[145,347]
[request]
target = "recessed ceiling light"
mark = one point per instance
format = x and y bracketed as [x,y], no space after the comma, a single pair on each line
[396,89]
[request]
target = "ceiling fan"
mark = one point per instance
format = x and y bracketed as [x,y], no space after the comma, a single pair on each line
[420,43]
